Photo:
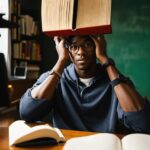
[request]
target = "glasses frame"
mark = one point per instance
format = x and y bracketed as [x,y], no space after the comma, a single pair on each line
[86,46]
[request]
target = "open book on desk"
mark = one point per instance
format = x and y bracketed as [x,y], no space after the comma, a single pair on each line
[71,17]
[22,134]
[107,141]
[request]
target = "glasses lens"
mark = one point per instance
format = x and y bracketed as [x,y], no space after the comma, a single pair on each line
[73,47]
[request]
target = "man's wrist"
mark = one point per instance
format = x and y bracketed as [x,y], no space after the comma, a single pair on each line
[118,80]
[102,59]
[54,72]
[108,62]
[62,60]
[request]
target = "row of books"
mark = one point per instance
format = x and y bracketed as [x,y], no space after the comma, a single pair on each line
[28,26]
[25,46]
[27,50]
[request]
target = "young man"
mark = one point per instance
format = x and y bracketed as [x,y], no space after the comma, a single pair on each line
[86,95]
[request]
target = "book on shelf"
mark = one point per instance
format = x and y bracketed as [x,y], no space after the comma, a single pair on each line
[23,134]
[14,7]
[27,50]
[29,26]
[71,17]
[108,141]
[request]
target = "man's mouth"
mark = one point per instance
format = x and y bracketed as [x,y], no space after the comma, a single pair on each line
[81,60]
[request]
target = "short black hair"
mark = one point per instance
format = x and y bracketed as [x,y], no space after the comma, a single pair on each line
[69,39]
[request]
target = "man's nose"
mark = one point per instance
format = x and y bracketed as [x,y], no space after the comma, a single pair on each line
[81,49]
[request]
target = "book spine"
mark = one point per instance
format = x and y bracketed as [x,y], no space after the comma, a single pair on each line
[106,29]
[75,8]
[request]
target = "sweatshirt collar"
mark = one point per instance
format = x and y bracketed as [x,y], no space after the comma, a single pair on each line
[74,76]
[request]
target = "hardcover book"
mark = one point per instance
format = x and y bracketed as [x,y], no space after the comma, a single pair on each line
[72,17]
[108,141]
[23,134]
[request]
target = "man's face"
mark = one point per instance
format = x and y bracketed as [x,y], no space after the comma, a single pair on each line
[82,51]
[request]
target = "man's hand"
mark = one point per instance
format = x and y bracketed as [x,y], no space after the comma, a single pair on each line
[100,44]
[63,53]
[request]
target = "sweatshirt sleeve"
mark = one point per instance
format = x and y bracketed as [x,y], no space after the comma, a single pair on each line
[136,121]
[31,109]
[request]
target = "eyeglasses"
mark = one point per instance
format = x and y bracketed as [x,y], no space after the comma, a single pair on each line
[74,48]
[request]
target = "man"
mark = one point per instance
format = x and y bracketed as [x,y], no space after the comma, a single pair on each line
[86,95]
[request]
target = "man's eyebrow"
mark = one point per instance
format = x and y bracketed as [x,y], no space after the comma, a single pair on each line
[73,42]
[87,39]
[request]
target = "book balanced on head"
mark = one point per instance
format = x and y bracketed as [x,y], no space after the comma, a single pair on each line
[70,17]
[108,141]
[22,133]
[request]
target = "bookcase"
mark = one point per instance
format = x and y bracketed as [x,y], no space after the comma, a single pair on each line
[25,45]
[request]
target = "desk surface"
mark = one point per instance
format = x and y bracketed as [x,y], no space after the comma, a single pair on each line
[67,133]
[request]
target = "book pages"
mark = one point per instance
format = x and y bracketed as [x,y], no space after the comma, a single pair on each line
[57,14]
[20,132]
[93,13]
[136,142]
[100,141]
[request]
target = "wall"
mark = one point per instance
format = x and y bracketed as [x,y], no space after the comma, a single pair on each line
[129,43]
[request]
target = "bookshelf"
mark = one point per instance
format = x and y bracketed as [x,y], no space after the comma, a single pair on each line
[26,49]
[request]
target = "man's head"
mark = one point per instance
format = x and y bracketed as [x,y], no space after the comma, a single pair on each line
[82,52]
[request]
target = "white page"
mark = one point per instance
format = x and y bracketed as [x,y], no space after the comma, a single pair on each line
[136,142]
[100,141]
[99,9]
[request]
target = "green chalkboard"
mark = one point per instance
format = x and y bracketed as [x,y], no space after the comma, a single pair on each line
[129,43]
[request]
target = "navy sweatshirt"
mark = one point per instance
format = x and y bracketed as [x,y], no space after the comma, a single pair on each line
[77,107]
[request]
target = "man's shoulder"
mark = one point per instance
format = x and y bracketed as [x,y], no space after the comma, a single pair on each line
[69,68]
[69,72]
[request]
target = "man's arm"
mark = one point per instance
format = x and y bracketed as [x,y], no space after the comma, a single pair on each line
[134,110]
[129,99]
[47,88]
[38,99]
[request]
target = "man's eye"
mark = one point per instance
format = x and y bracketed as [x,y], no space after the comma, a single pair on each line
[74,47]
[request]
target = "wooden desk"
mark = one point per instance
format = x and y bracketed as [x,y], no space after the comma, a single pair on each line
[67,133]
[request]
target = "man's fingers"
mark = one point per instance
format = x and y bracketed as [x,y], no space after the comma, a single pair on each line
[56,39]
[94,38]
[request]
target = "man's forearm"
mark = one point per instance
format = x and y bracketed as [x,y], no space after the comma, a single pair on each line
[129,99]
[47,88]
